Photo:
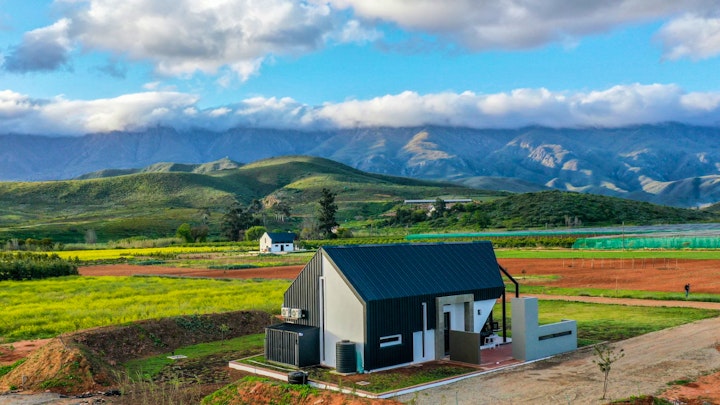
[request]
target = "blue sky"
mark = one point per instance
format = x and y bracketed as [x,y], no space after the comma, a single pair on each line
[69,67]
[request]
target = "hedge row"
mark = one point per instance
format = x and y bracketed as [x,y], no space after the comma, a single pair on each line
[30,266]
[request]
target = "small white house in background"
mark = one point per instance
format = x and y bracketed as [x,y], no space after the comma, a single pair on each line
[277,242]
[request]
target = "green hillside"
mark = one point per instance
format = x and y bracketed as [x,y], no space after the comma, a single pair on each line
[555,207]
[155,202]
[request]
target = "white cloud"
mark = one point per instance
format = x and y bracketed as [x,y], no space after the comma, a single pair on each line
[614,107]
[59,116]
[517,24]
[182,37]
[234,38]
[691,36]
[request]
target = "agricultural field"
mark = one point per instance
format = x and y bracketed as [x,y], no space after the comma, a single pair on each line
[46,308]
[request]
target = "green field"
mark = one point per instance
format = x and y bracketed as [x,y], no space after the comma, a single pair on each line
[597,323]
[45,308]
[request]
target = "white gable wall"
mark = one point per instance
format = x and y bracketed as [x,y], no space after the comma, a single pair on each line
[481,311]
[343,316]
[265,243]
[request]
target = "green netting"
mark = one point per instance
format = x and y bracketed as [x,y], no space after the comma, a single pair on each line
[633,242]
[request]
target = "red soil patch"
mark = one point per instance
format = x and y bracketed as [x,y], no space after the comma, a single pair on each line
[638,274]
[667,275]
[12,352]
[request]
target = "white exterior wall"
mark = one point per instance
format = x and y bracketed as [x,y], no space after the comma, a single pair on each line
[429,346]
[484,308]
[265,243]
[457,315]
[343,317]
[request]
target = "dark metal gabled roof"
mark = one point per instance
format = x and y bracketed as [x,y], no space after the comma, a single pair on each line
[378,272]
[281,237]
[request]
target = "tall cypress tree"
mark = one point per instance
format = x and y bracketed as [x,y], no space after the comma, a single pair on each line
[326,214]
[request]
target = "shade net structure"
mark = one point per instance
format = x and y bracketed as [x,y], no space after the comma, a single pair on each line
[650,242]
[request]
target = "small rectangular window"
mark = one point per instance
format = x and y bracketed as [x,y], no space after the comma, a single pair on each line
[391,340]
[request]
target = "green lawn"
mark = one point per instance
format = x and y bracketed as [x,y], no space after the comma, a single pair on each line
[602,322]
[149,367]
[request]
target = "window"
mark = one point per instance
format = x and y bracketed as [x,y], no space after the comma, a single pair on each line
[391,340]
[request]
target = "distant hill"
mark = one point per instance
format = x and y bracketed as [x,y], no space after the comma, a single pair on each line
[556,209]
[166,167]
[155,200]
[669,164]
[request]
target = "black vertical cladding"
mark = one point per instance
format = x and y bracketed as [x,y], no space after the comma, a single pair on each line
[304,292]
[296,345]
[390,317]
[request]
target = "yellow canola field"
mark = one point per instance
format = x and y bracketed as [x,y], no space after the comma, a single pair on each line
[111,254]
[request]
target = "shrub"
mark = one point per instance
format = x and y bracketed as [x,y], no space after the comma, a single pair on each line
[29,266]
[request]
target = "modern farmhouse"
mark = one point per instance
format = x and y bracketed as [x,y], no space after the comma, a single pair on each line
[370,307]
[276,242]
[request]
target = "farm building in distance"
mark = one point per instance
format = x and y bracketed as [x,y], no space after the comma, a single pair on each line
[277,242]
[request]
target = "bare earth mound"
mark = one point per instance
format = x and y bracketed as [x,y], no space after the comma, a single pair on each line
[83,361]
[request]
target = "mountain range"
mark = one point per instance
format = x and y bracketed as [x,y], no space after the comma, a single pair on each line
[669,164]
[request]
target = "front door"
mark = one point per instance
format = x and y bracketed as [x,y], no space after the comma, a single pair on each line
[446,331]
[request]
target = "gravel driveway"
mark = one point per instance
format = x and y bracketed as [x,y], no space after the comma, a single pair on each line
[651,361]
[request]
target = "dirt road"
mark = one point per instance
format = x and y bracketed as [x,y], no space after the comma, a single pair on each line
[651,361]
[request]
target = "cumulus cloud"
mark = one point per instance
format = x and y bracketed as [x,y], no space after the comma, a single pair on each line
[182,37]
[614,107]
[691,36]
[60,116]
[517,24]
[45,49]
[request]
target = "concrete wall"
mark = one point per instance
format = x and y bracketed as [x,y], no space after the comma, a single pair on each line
[343,316]
[531,341]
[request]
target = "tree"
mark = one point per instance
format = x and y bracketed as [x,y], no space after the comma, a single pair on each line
[255,233]
[234,221]
[184,232]
[90,237]
[281,210]
[344,233]
[606,356]
[199,233]
[438,208]
[309,229]
[326,214]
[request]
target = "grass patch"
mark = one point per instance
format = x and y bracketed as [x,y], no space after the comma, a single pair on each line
[6,369]
[45,308]
[149,367]
[238,266]
[381,381]
[598,292]
[285,393]
[598,322]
